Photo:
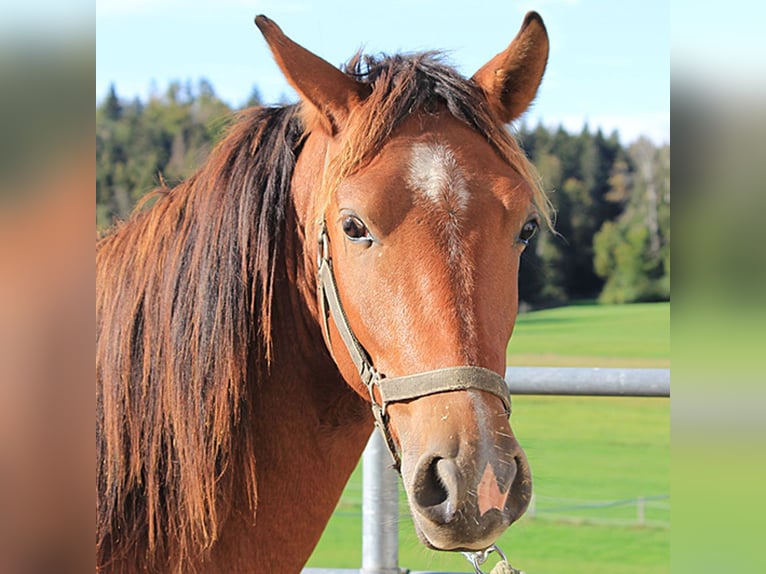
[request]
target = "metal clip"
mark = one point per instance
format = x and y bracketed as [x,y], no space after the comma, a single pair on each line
[480,557]
[372,380]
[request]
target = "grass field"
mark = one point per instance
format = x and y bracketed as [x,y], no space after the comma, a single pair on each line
[593,336]
[583,451]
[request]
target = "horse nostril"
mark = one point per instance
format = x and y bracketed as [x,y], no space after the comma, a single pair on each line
[436,490]
[431,491]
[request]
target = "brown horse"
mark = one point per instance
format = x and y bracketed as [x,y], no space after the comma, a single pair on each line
[234,386]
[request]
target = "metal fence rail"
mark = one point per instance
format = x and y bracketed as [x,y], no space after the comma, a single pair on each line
[380,508]
[588,382]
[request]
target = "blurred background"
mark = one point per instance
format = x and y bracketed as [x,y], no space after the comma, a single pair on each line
[47,59]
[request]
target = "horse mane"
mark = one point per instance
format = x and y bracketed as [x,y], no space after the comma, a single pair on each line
[184,299]
[185,291]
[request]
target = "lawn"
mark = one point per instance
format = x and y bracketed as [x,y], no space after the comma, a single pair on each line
[584,453]
[593,336]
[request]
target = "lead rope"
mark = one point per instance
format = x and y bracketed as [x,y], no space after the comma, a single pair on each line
[480,557]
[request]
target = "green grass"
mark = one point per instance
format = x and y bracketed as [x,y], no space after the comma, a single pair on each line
[594,336]
[580,449]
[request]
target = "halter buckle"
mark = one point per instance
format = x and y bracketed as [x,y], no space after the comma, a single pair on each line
[323,246]
[373,381]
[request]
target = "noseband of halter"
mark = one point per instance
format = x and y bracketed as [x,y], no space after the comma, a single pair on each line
[394,389]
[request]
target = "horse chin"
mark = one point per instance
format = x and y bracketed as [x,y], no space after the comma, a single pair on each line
[453,540]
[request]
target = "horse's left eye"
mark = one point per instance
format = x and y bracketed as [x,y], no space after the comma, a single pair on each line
[355,230]
[529,229]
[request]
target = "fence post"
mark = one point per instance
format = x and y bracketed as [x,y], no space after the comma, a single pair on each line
[641,511]
[380,510]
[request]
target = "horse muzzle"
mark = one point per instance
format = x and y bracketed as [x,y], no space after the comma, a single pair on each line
[468,479]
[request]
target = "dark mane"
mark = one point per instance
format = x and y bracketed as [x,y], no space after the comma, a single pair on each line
[183,309]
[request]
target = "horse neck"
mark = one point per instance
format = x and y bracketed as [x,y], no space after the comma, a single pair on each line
[310,426]
[300,360]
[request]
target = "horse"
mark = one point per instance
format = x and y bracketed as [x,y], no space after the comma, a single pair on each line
[344,262]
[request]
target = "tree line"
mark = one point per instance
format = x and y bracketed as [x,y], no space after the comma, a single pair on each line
[612,201]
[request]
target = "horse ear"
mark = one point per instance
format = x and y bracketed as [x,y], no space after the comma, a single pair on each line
[510,80]
[318,82]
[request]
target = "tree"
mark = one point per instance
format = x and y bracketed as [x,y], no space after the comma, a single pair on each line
[612,203]
[632,253]
[111,106]
[255,98]
[139,145]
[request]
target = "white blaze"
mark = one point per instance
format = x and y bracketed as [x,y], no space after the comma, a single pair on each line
[436,175]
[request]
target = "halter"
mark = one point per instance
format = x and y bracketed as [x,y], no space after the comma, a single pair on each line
[394,389]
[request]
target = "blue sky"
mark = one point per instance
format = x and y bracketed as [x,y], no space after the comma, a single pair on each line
[609,64]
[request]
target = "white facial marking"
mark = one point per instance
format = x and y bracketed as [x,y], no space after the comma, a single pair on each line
[439,183]
[436,175]
[489,495]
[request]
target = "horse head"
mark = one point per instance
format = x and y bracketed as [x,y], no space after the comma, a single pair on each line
[415,205]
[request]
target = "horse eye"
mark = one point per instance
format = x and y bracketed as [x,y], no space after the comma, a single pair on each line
[354,229]
[529,229]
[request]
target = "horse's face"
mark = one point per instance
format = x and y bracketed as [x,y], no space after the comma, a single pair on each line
[425,242]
